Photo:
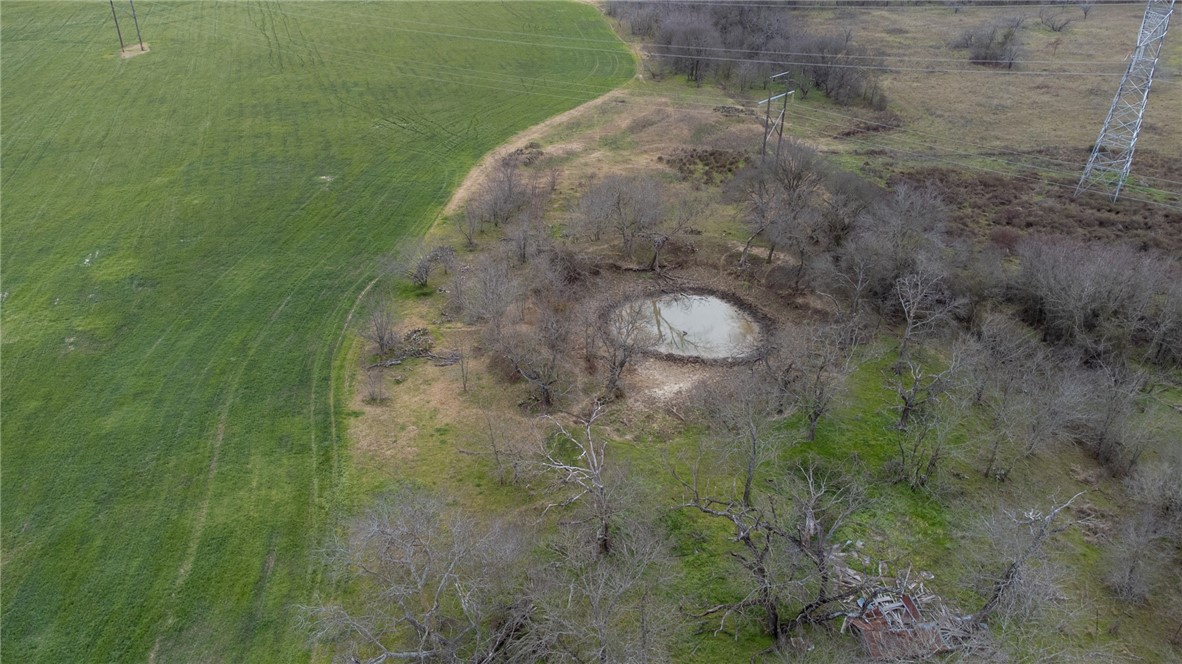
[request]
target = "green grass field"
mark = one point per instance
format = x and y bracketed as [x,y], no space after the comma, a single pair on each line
[184,235]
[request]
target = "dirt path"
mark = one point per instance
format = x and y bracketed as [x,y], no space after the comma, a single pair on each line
[480,172]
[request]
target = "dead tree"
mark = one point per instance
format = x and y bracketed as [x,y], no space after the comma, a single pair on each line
[923,447]
[740,416]
[625,333]
[469,224]
[1053,20]
[1041,528]
[785,549]
[381,327]
[630,206]
[433,585]
[585,474]
[924,304]
[602,608]
[811,365]
[918,388]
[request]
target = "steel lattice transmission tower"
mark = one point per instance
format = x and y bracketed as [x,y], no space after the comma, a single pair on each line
[1108,167]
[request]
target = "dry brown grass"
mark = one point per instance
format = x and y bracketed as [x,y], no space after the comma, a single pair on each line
[1022,111]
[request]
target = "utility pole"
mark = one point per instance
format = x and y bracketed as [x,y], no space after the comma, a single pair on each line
[137,24]
[1112,156]
[778,125]
[117,31]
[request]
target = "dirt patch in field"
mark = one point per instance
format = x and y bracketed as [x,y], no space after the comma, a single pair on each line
[380,433]
[132,51]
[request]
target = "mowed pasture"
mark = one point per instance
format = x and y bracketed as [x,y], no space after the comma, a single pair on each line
[185,234]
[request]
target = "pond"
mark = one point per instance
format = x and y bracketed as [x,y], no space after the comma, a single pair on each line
[699,326]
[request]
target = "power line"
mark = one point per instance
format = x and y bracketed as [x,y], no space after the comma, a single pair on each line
[920,155]
[977,145]
[874,5]
[483,76]
[475,74]
[883,145]
[452,26]
[926,70]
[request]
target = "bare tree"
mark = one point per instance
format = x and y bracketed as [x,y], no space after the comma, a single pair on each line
[1105,300]
[811,364]
[918,388]
[1101,299]
[626,332]
[592,212]
[1108,426]
[690,40]
[1029,400]
[1010,585]
[899,233]
[844,209]
[603,608]
[510,445]
[1136,559]
[785,548]
[977,277]
[1054,20]
[924,303]
[993,43]
[434,585]
[781,198]
[375,385]
[538,355]
[416,263]
[526,231]
[489,290]
[585,474]
[469,224]
[740,416]
[1086,6]
[630,206]
[1155,486]
[502,194]
[679,218]
[761,195]
[464,360]
[1163,334]
[381,326]
[924,446]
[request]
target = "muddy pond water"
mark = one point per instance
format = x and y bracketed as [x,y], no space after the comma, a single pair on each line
[702,326]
